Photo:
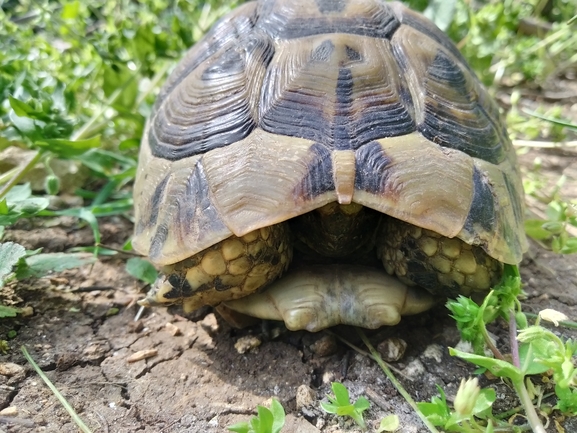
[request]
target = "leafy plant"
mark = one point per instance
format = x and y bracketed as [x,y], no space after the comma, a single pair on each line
[534,350]
[471,404]
[340,404]
[267,421]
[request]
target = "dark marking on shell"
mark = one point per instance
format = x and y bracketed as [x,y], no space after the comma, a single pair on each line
[156,199]
[209,114]
[352,54]
[515,201]
[331,6]
[197,206]
[482,210]
[341,124]
[323,52]
[319,178]
[158,241]
[458,121]
[371,168]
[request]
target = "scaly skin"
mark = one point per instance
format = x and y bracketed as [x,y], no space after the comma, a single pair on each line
[443,266]
[233,268]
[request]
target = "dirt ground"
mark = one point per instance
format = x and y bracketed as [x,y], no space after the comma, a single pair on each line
[82,333]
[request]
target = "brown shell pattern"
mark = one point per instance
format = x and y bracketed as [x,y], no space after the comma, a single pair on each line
[285,106]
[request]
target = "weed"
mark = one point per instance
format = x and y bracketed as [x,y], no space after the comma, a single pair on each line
[340,404]
[267,421]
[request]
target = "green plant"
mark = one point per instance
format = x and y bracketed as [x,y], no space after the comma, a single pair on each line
[471,404]
[340,404]
[267,421]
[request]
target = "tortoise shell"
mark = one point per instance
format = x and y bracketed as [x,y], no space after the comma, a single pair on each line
[287,106]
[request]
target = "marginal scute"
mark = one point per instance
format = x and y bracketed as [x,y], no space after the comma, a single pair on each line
[170,230]
[415,185]
[253,182]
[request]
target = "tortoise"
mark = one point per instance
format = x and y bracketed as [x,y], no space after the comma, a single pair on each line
[325,162]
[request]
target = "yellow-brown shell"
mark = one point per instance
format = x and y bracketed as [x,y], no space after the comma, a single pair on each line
[285,106]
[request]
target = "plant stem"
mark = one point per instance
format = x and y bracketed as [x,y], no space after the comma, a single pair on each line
[20,173]
[513,339]
[530,411]
[490,344]
[375,355]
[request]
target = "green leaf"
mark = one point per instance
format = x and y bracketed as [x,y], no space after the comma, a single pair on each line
[496,366]
[441,12]
[8,311]
[42,264]
[70,10]
[484,401]
[341,394]
[527,360]
[239,427]
[361,404]
[21,108]
[10,254]
[141,269]
[534,228]
[265,417]
[278,414]
[67,149]
[390,423]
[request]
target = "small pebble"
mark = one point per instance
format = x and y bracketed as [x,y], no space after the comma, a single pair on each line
[172,329]
[433,351]
[392,349]
[10,369]
[210,324]
[27,311]
[305,396]
[9,411]
[142,354]
[325,346]
[247,343]
[414,370]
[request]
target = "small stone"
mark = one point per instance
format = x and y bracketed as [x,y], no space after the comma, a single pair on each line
[210,324]
[9,411]
[392,349]
[434,351]
[213,422]
[247,343]
[305,396]
[324,346]
[172,329]
[10,369]
[414,370]
[27,311]
[142,354]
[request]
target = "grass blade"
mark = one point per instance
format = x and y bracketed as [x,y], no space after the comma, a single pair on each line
[59,396]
